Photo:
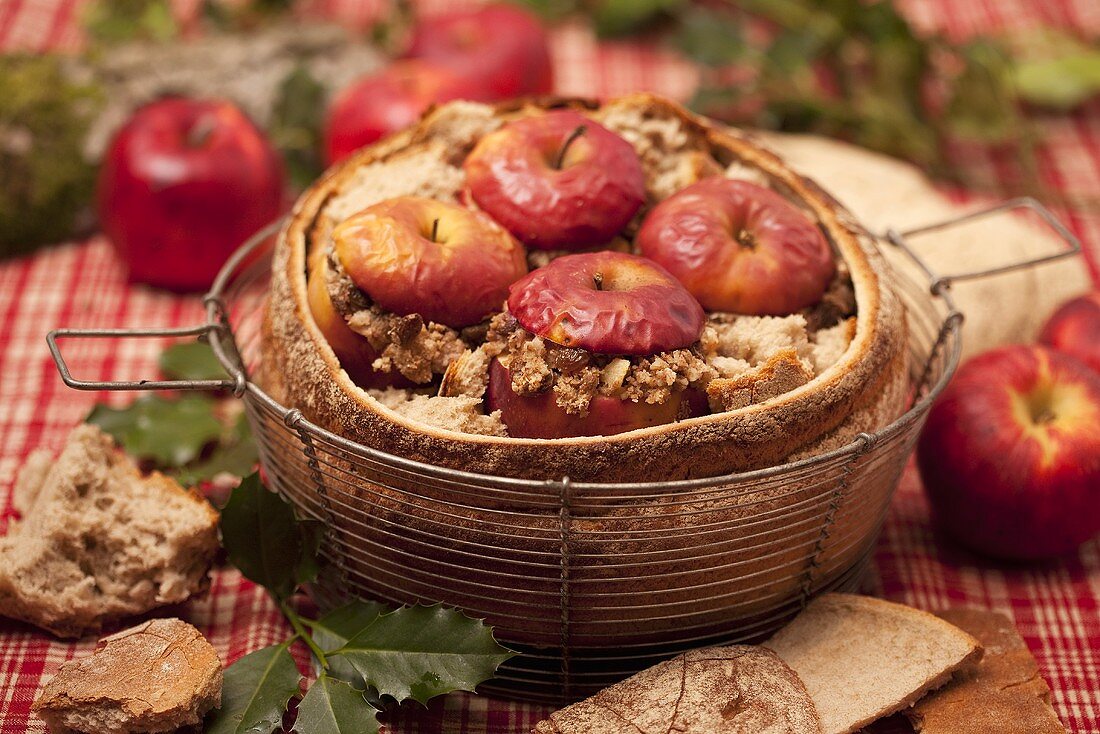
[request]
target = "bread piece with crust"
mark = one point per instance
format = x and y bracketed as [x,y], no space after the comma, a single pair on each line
[1003,693]
[99,541]
[742,689]
[863,658]
[159,676]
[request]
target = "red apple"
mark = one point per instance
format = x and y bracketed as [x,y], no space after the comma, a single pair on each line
[414,255]
[502,45]
[1075,329]
[183,184]
[557,181]
[391,100]
[607,303]
[739,247]
[1010,456]
[540,416]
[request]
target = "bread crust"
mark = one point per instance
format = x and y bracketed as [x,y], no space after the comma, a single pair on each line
[307,374]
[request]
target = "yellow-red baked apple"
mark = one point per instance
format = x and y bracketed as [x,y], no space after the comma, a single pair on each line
[739,247]
[411,255]
[558,181]
[607,303]
[1010,456]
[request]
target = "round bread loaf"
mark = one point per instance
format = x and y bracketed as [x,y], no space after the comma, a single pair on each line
[863,390]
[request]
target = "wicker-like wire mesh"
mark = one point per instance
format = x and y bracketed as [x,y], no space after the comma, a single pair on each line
[590,582]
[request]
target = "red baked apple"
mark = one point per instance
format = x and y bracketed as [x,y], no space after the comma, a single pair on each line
[391,100]
[449,264]
[540,416]
[739,247]
[1010,456]
[1075,329]
[557,181]
[502,45]
[183,184]
[607,303]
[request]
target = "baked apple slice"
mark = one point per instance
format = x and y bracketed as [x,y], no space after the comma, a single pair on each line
[558,181]
[739,247]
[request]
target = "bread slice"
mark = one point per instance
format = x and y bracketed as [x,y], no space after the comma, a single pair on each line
[99,541]
[863,658]
[742,689]
[1004,692]
[156,677]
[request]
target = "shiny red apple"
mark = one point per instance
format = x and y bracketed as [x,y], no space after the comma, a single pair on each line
[540,416]
[1075,329]
[391,100]
[1010,456]
[607,303]
[183,184]
[504,46]
[739,247]
[449,264]
[557,181]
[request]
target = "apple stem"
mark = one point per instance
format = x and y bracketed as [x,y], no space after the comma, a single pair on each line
[746,239]
[201,131]
[597,278]
[577,132]
[435,229]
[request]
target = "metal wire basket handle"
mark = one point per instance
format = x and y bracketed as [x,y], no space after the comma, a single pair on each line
[216,324]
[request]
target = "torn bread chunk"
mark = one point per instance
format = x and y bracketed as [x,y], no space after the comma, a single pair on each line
[159,676]
[99,541]
[829,345]
[1004,692]
[459,413]
[741,689]
[782,372]
[756,339]
[863,658]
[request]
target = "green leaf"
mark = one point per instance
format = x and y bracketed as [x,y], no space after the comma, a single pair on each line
[621,17]
[235,454]
[262,537]
[421,652]
[295,127]
[331,706]
[1062,83]
[982,106]
[333,631]
[191,361]
[170,432]
[712,37]
[255,692]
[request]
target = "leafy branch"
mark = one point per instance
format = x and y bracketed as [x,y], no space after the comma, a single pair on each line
[363,651]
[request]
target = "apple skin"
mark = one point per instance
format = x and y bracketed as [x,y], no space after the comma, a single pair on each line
[1075,329]
[599,187]
[1010,456]
[457,279]
[785,267]
[503,46]
[540,416]
[382,103]
[182,185]
[637,309]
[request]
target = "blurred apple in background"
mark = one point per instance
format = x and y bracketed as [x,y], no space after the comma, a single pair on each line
[1075,329]
[1010,457]
[503,46]
[391,100]
[183,184]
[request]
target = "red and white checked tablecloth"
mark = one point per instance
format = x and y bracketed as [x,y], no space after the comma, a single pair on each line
[1056,607]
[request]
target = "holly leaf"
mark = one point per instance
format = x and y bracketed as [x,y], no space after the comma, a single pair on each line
[235,454]
[420,652]
[170,432]
[332,631]
[191,361]
[334,707]
[255,692]
[265,541]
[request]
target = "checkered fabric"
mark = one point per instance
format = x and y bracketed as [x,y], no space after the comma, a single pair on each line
[1056,607]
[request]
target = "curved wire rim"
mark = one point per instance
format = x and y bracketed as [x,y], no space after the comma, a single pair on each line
[215,310]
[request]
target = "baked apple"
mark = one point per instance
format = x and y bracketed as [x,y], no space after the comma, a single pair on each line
[390,100]
[503,46]
[448,264]
[739,247]
[607,303]
[557,181]
[1010,456]
[1075,329]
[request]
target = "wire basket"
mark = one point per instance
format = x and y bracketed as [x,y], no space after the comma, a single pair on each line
[590,582]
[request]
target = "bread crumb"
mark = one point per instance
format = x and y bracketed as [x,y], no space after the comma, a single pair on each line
[830,344]
[460,413]
[468,375]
